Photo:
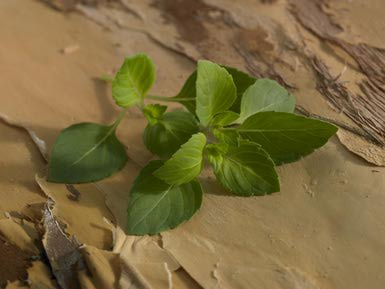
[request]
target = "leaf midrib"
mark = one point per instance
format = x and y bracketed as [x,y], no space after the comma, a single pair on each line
[153,207]
[133,84]
[248,169]
[167,128]
[112,129]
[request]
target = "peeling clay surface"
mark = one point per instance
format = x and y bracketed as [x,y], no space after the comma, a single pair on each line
[325,229]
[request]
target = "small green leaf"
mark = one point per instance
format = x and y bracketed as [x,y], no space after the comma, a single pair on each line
[155,206]
[230,137]
[185,164]
[86,152]
[224,118]
[266,95]
[188,92]
[242,81]
[133,80]
[245,170]
[216,91]
[169,132]
[286,136]
[153,112]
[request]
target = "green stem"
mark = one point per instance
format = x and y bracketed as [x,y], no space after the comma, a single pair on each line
[170,99]
[227,128]
[119,118]
[106,78]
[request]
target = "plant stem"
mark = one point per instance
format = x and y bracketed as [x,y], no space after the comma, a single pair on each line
[170,99]
[106,78]
[119,118]
[227,128]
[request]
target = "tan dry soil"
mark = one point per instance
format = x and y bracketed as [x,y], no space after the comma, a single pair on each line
[325,229]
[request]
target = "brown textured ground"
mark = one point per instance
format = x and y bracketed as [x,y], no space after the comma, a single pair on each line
[325,229]
[16,263]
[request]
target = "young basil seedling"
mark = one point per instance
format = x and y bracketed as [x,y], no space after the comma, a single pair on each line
[241,126]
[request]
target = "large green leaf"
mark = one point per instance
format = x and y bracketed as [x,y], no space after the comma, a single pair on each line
[133,80]
[265,95]
[155,206]
[216,91]
[245,169]
[286,136]
[86,152]
[188,92]
[185,164]
[164,136]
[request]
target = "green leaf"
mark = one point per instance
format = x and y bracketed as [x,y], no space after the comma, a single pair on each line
[153,112]
[286,136]
[188,92]
[169,132]
[242,81]
[224,118]
[245,170]
[230,137]
[133,80]
[266,95]
[155,206]
[185,164]
[86,152]
[216,91]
